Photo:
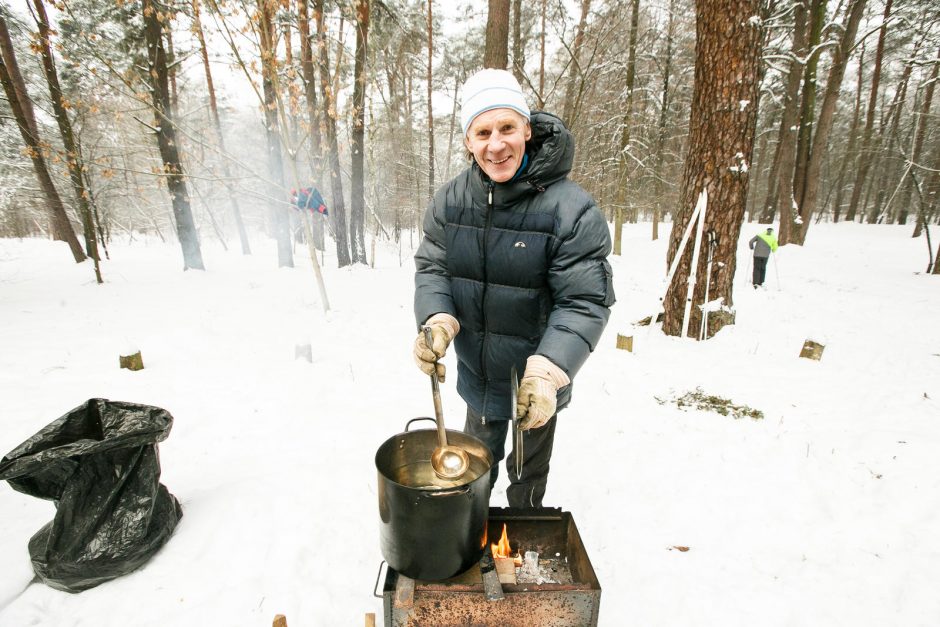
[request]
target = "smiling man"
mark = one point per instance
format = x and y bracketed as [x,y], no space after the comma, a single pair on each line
[513,271]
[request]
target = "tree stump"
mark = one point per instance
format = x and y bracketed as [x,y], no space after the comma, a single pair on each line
[304,351]
[812,350]
[625,342]
[279,621]
[132,362]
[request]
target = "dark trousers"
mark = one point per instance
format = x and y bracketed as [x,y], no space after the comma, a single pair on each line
[529,489]
[760,270]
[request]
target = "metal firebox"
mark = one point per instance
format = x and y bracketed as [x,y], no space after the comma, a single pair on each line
[569,594]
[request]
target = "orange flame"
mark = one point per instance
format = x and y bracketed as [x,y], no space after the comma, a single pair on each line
[502,549]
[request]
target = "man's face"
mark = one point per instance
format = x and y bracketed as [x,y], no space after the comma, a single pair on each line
[497,140]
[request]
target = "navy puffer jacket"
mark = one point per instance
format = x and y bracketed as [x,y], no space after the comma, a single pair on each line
[522,265]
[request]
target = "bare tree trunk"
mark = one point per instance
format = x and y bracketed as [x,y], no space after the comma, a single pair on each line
[622,164]
[826,112]
[285,251]
[307,70]
[769,208]
[166,138]
[663,112]
[357,184]
[430,108]
[496,52]
[721,143]
[865,159]
[922,122]
[817,17]
[217,123]
[569,112]
[888,147]
[518,51]
[22,108]
[329,126]
[171,67]
[541,94]
[850,152]
[929,193]
[73,155]
[786,198]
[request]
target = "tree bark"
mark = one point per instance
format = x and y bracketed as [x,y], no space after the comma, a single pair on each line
[338,209]
[866,156]
[357,184]
[826,113]
[496,51]
[217,124]
[281,217]
[73,155]
[22,108]
[721,141]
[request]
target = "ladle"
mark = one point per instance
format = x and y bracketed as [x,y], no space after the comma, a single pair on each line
[448,462]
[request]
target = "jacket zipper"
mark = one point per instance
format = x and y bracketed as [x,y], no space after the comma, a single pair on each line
[486,234]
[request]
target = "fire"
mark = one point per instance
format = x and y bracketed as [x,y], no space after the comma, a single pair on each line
[503,549]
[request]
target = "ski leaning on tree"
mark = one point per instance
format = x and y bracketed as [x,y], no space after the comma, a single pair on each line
[513,271]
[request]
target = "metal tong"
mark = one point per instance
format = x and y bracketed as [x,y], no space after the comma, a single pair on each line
[517,431]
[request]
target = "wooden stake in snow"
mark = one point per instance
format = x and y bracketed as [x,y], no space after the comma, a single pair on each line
[132,362]
[279,621]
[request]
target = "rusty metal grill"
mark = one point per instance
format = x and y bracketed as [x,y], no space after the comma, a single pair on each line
[574,601]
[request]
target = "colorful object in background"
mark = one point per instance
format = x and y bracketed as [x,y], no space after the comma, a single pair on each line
[309,198]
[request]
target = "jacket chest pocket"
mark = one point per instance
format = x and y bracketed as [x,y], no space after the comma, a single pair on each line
[518,258]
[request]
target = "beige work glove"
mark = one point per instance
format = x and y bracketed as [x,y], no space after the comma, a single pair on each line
[443,329]
[536,400]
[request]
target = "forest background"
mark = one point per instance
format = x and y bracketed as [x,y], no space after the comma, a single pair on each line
[201,118]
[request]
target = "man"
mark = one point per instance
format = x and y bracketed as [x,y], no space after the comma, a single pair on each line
[513,271]
[762,244]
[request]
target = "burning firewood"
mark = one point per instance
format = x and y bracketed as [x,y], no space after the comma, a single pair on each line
[505,561]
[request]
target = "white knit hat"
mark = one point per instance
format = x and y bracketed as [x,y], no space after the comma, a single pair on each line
[490,89]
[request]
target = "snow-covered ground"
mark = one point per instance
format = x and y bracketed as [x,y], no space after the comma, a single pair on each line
[826,512]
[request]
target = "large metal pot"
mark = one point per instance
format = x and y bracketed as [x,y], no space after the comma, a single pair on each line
[432,528]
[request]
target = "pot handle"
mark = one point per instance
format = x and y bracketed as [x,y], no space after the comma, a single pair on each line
[378,578]
[408,424]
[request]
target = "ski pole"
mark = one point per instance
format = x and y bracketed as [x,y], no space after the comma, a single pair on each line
[712,244]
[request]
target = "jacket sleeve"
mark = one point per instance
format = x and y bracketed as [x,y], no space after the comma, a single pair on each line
[580,280]
[432,281]
[751,243]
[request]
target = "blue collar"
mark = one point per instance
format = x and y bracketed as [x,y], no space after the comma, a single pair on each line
[525,162]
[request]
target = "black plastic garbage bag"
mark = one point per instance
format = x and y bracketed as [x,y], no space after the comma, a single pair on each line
[100,466]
